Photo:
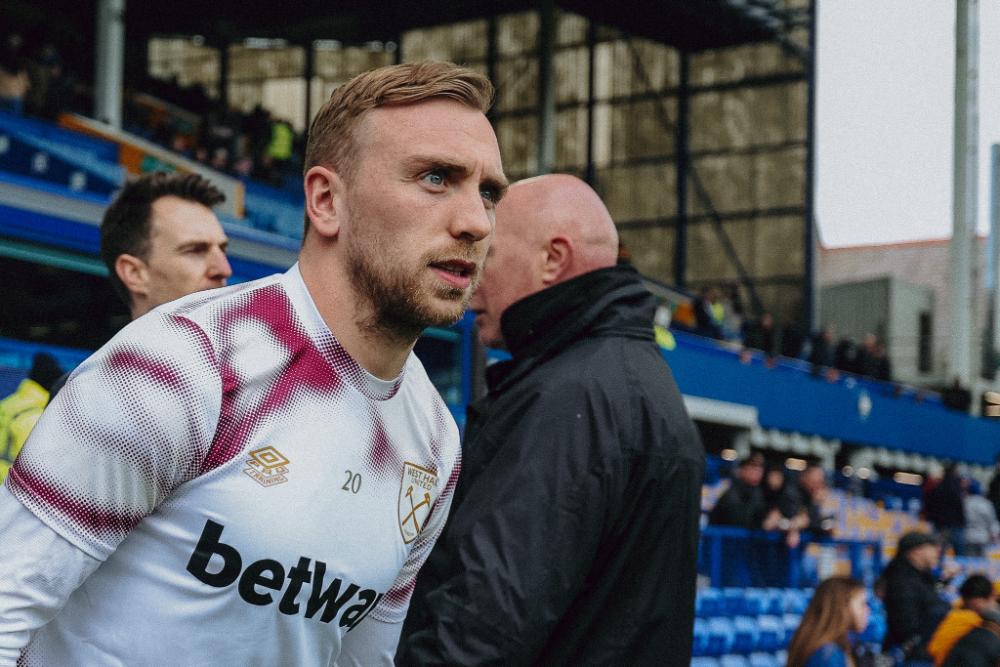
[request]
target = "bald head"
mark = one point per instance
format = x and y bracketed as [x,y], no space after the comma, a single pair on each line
[549,229]
[559,205]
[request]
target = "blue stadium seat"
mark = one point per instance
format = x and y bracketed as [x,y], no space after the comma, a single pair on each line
[764,660]
[756,601]
[704,662]
[745,634]
[796,601]
[792,622]
[720,635]
[700,645]
[709,602]
[775,601]
[771,635]
[734,601]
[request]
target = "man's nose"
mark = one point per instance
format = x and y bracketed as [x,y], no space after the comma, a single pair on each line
[219,268]
[471,219]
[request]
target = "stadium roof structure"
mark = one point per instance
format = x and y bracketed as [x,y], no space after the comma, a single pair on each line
[688,25]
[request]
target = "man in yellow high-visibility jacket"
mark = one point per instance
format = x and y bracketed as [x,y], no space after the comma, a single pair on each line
[20,410]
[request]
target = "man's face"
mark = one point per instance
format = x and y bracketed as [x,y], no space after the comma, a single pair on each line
[187,251]
[925,557]
[512,268]
[421,211]
[751,473]
[812,480]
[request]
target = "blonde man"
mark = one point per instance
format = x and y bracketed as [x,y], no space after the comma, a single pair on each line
[254,475]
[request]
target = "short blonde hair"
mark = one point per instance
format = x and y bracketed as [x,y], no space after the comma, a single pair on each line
[331,136]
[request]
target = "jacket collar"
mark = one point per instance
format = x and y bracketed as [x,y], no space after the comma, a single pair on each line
[611,301]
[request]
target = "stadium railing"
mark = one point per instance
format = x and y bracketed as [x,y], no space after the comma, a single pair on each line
[744,558]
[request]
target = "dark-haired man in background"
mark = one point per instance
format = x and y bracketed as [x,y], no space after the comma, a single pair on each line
[160,241]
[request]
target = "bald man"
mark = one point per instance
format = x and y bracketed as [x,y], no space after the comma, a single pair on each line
[573,537]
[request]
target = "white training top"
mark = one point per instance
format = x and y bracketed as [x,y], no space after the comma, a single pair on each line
[246,492]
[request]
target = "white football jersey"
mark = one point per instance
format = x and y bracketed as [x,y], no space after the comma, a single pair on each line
[253,493]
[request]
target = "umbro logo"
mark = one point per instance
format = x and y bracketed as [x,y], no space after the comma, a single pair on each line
[267,466]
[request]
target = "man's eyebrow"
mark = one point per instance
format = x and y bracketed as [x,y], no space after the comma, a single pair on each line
[198,244]
[499,186]
[421,162]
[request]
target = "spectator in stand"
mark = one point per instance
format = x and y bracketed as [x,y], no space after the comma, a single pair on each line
[944,507]
[980,647]
[784,510]
[732,319]
[14,81]
[812,491]
[257,127]
[981,526]
[993,493]
[883,366]
[912,605]
[821,356]
[742,505]
[793,341]
[866,357]
[978,603]
[838,608]
[20,410]
[845,356]
[707,322]
[957,397]
[282,144]
[760,335]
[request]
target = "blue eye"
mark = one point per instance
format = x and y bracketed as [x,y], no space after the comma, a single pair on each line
[488,195]
[435,178]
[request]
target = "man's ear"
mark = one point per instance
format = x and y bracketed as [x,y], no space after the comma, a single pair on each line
[133,273]
[558,259]
[325,201]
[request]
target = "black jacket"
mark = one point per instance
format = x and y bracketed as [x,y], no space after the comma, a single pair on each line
[913,607]
[740,505]
[979,648]
[573,537]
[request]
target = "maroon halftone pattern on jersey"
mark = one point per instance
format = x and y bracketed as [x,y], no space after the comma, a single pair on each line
[399,595]
[305,370]
[441,420]
[448,490]
[132,361]
[104,456]
[80,510]
[383,458]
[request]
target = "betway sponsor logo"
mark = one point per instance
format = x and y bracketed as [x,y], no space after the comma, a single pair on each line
[261,581]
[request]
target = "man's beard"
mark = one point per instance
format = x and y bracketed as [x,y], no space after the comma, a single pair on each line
[398,304]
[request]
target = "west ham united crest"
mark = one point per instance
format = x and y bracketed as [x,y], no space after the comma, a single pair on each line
[416,496]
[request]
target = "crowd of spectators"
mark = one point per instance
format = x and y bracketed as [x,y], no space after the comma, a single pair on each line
[923,627]
[34,80]
[718,313]
[256,145]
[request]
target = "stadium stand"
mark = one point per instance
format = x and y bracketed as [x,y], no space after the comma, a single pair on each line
[746,625]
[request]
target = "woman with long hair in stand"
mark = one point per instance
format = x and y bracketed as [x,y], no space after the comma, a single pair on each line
[838,608]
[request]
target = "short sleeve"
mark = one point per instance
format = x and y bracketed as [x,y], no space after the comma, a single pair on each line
[133,422]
